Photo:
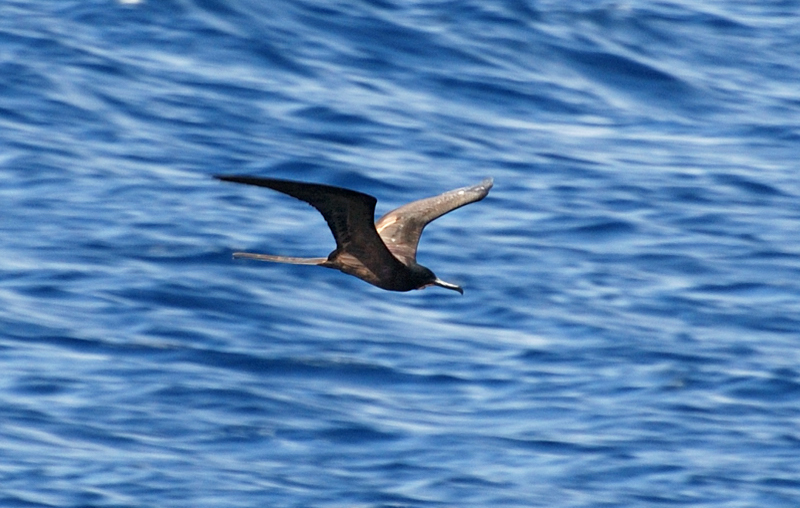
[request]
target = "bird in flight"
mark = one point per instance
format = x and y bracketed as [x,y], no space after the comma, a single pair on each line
[383,253]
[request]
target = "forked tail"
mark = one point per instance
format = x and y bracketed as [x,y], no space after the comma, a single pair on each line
[280,259]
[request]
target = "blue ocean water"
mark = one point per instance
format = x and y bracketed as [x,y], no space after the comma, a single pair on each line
[630,330]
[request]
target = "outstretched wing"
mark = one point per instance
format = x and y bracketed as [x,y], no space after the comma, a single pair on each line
[349,215]
[401,228]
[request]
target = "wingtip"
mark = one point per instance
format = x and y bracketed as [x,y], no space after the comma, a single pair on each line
[225,178]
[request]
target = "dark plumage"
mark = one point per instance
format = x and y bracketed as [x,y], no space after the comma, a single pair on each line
[383,253]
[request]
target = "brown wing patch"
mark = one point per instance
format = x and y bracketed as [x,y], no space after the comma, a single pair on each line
[401,228]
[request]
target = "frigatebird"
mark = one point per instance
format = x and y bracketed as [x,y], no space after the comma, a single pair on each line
[383,253]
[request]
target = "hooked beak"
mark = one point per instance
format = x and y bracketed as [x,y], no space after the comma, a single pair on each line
[441,283]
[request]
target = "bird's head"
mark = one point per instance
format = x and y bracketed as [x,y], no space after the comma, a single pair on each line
[426,277]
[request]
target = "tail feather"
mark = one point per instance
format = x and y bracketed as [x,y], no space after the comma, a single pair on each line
[280,259]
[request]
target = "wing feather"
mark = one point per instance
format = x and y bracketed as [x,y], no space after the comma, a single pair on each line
[401,228]
[350,216]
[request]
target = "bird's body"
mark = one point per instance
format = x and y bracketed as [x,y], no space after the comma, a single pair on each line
[381,253]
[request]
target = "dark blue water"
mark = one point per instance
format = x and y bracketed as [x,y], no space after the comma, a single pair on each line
[630,332]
